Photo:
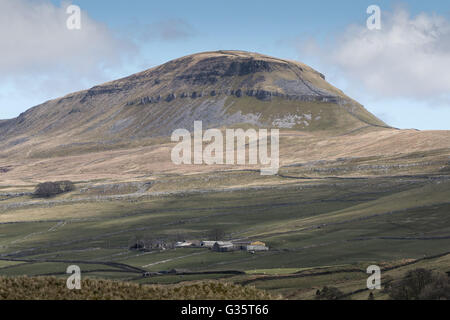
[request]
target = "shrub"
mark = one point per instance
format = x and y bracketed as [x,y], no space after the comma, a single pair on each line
[49,189]
[217,234]
[421,284]
[66,186]
[51,288]
[138,245]
[438,289]
[329,293]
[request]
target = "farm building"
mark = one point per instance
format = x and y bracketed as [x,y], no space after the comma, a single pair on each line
[257,246]
[223,247]
[183,244]
[250,246]
[241,245]
[210,244]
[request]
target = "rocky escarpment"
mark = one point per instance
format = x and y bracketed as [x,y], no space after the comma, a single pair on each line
[262,95]
[224,73]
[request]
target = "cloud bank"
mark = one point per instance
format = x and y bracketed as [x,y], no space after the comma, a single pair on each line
[408,58]
[41,58]
[35,38]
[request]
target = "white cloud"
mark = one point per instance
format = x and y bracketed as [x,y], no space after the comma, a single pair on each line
[409,57]
[34,37]
[40,54]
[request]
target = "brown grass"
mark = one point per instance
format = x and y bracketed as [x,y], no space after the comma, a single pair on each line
[137,163]
[51,288]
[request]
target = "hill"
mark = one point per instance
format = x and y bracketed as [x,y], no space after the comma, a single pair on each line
[120,129]
[350,192]
[220,88]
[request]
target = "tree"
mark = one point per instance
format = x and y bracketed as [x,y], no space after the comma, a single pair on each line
[136,243]
[217,234]
[50,189]
[66,186]
[329,293]
[421,284]
[438,289]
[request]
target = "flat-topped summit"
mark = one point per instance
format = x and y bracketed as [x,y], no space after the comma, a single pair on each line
[220,88]
[122,128]
[216,72]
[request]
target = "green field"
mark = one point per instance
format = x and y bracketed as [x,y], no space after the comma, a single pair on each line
[329,229]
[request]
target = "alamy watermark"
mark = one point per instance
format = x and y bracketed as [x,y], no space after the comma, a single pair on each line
[236,147]
[374,281]
[74,281]
[374,21]
[73,22]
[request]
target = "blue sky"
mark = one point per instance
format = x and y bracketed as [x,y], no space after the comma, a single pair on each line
[262,26]
[120,37]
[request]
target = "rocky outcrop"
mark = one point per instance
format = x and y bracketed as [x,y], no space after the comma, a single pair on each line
[212,70]
[170,97]
[248,66]
[262,95]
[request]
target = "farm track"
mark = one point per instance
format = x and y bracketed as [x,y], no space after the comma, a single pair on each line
[172,259]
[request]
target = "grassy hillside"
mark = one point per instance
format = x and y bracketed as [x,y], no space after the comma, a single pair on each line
[220,88]
[366,151]
[350,191]
[308,224]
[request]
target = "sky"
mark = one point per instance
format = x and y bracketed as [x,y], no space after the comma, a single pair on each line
[400,73]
